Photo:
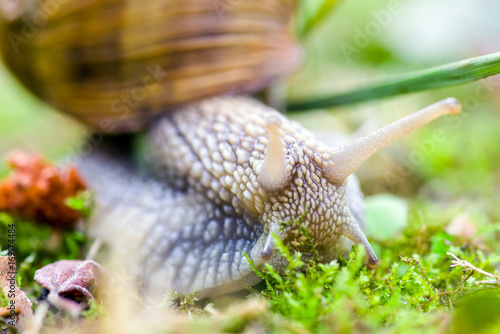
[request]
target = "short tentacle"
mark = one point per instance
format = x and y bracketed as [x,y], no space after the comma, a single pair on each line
[352,231]
[267,251]
[273,174]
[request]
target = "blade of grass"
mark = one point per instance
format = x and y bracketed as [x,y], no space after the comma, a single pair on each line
[457,73]
[312,15]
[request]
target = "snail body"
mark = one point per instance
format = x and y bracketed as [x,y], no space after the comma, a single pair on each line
[223,174]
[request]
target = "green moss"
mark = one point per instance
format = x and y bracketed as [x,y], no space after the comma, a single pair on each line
[95,311]
[413,290]
[407,292]
[83,202]
[4,301]
[179,302]
[36,246]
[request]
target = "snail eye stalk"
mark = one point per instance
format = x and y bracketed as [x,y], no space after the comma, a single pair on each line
[343,161]
[273,174]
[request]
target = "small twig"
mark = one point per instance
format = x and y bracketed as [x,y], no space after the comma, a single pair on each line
[96,245]
[440,295]
[36,325]
[466,264]
[457,290]
[487,282]
[423,272]
[210,308]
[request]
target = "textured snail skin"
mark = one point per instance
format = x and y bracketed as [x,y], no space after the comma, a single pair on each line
[223,174]
[188,225]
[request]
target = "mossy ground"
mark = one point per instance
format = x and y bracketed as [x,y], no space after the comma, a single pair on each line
[413,290]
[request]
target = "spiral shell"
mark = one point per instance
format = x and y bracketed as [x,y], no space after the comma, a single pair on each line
[116,64]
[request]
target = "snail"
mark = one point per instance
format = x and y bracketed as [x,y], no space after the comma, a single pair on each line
[224,173]
[219,174]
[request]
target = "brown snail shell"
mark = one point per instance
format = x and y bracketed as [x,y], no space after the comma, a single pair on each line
[117,64]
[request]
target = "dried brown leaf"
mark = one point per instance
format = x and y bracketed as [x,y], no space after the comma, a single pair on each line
[38,190]
[70,283]
[19,307]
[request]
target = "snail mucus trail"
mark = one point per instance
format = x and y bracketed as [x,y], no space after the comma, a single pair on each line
[223,174]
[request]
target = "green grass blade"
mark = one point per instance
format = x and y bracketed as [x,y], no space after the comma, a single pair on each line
[457,73]
[311,15]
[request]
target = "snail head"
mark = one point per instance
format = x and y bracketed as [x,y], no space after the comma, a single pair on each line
[307,180]
[254,163]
